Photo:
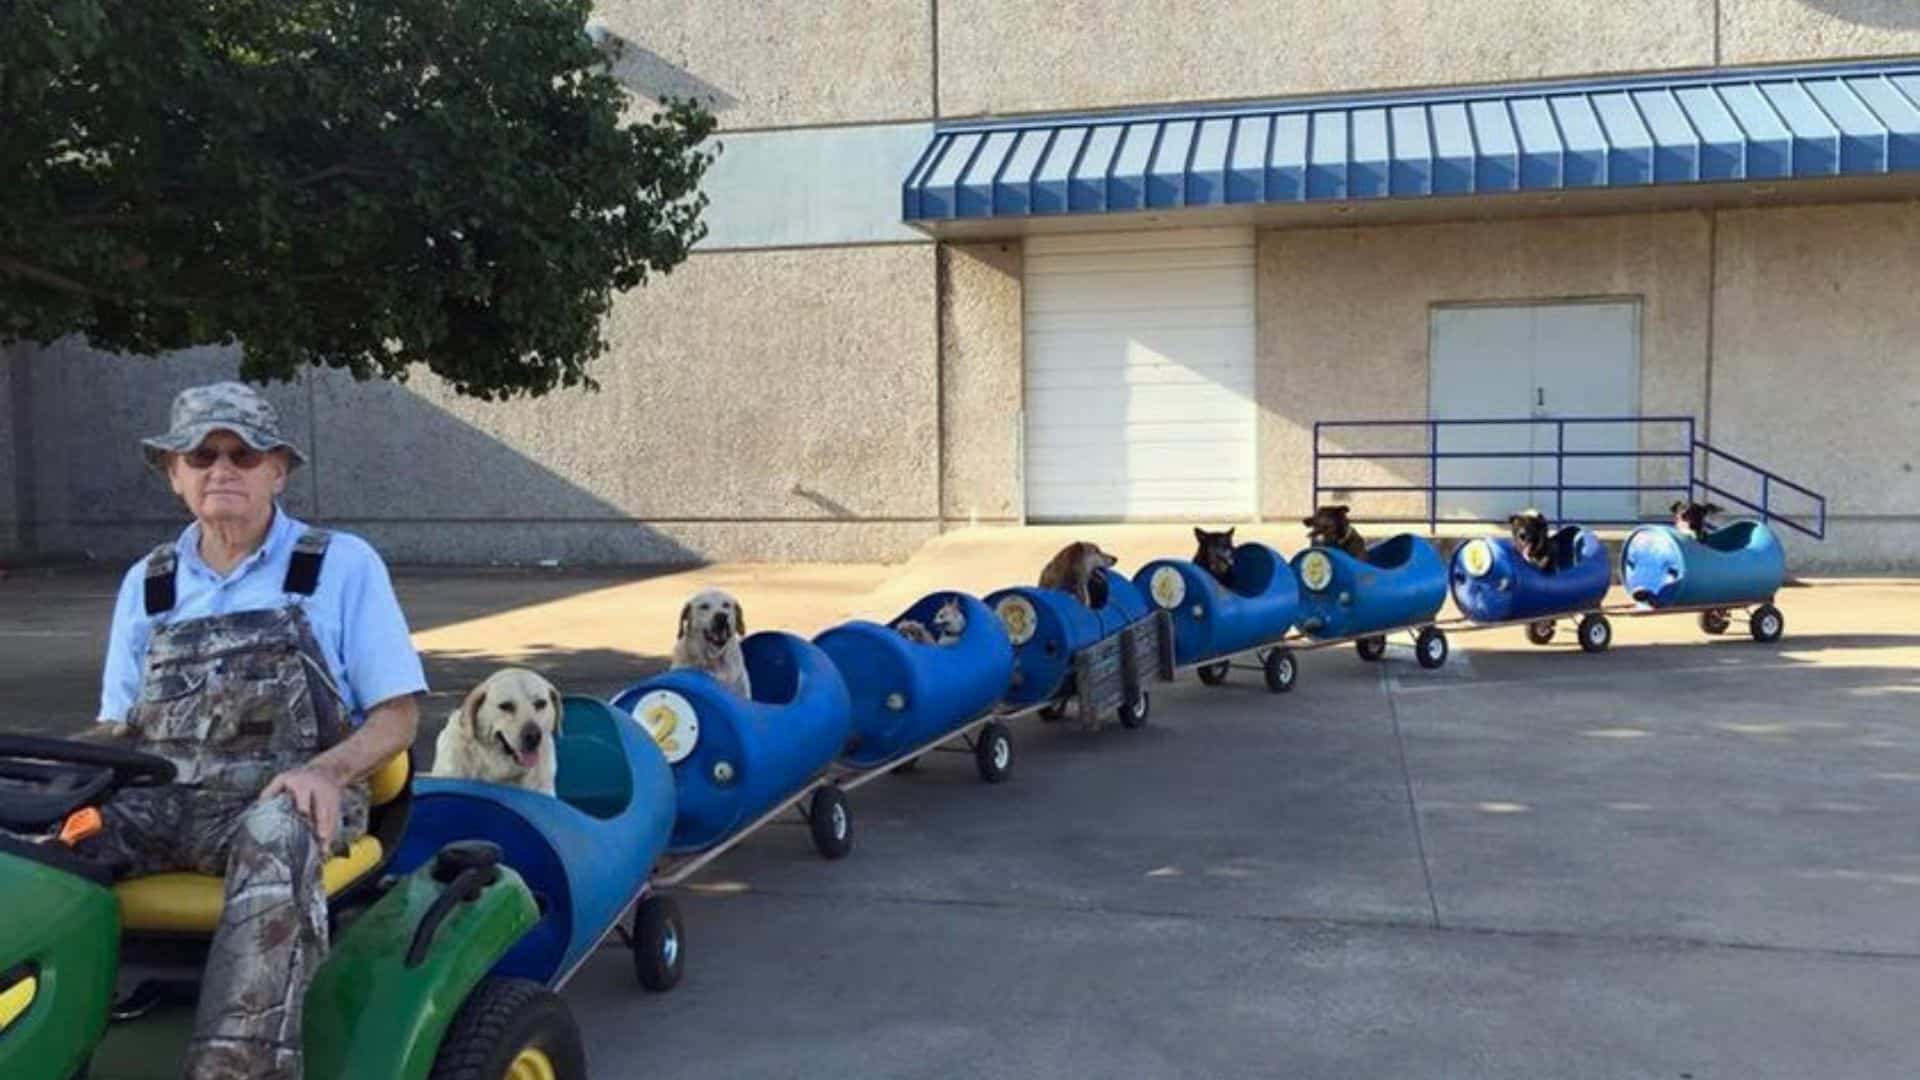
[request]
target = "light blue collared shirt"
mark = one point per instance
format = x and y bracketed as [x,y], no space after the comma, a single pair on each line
[354,614]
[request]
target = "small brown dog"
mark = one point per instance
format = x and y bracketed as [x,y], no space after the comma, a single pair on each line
[1691,517]
[1530,536]
[1329,527]
[1072,570]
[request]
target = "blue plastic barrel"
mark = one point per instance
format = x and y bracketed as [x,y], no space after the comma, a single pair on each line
[1047,626]
[585,855]
[1740,563]
[1402,582]
[1493,582]
[1258,605]
[906,694]
[734,759]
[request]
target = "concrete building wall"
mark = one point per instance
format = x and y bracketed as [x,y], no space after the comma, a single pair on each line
[998,57]
[1816,369]
[718,433]
[780,63]
[1344,324]
[1772,31]
[981,373]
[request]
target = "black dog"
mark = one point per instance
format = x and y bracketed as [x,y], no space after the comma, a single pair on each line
[1216,554]
[1530,536]
[1329,527]
[1692,517]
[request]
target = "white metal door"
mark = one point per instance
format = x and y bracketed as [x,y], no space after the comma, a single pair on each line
[1139,376]
[1481,368]
[1542,361]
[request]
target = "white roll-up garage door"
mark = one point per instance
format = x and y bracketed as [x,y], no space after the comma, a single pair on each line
[1139,376]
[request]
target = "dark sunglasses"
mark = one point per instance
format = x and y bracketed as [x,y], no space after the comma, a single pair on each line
[243,457]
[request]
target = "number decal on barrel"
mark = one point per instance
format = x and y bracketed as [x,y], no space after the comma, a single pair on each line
[1017,615]
[1168,587]
[1316,570]
[671,721]
[1477,559]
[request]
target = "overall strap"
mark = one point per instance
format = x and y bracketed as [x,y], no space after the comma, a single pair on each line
[160,579]
[303,570]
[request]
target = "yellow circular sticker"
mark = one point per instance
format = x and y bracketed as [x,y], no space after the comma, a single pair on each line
[1316,570]
[1017,615]
[671,721]
[1168,587]
[1477,558]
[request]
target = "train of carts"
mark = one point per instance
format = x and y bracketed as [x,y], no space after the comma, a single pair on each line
[674,770]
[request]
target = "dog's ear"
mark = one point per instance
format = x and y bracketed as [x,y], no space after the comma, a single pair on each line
[1230,535]
[739,619]
[1340,509]
[559,711]
[470,710]
[686,618]
[1678,505]
[1200,534]
[1710,508]
[1513,521]
[1308,522]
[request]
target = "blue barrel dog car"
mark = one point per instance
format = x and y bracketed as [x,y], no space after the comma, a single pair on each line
[737,762]
[1213,622]
[585,854]
[1493,582]
[1400,584]
[1740,565]
[909,695]
[1054,635]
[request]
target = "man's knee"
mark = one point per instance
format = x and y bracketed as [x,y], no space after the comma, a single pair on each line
[273,832]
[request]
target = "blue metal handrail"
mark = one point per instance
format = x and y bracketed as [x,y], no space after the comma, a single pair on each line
[1689,448]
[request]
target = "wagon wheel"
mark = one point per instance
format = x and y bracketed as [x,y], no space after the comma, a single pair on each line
[1430,647]
[993,752]
[1596,633]
[1134,713]
[1280,669]
[1714,622]
[1371,648]
[831,822]
[1540,631]
[658,939]
[1215,673]
[1766,623]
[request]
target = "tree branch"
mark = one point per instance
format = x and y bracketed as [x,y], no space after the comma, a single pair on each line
[17,268]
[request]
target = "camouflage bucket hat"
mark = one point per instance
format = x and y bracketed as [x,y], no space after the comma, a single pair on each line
[198,411]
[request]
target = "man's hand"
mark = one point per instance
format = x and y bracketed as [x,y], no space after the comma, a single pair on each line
[105,731]
[315,794]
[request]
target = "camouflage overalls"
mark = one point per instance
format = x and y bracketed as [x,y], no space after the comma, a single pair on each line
[233,701]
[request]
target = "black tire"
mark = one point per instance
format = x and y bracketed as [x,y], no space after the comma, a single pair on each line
[659,943]
[993,752]
[1540,631]
[1134,713]
[831,822]
[1596,633]
[1215,673]
[1766,623]
[1371,648]
[499,1020]
[1280,669]
[1430,647]
[1714,622]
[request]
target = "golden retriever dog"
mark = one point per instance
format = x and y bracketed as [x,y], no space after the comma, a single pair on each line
[1073,569]
[503,733]
[711,626]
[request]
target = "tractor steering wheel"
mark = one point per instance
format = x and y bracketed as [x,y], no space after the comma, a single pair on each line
[43,780]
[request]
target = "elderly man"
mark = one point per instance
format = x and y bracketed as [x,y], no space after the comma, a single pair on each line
[271,663]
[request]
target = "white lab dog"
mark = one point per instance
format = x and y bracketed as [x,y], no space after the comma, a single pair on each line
[711,625]
[503,733]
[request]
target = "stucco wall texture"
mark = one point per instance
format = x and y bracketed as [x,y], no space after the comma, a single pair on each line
[1769,31]
[981,374]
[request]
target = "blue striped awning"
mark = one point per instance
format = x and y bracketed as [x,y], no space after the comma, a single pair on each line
[1728,126]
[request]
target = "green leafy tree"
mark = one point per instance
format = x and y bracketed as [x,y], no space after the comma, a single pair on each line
[361,184]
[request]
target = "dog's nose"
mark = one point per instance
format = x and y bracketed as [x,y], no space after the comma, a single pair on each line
[721,621]
[530,737]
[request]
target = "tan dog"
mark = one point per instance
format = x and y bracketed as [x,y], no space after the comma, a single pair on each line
[948,624]
[1072,570]
[503,733]
[711,626]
